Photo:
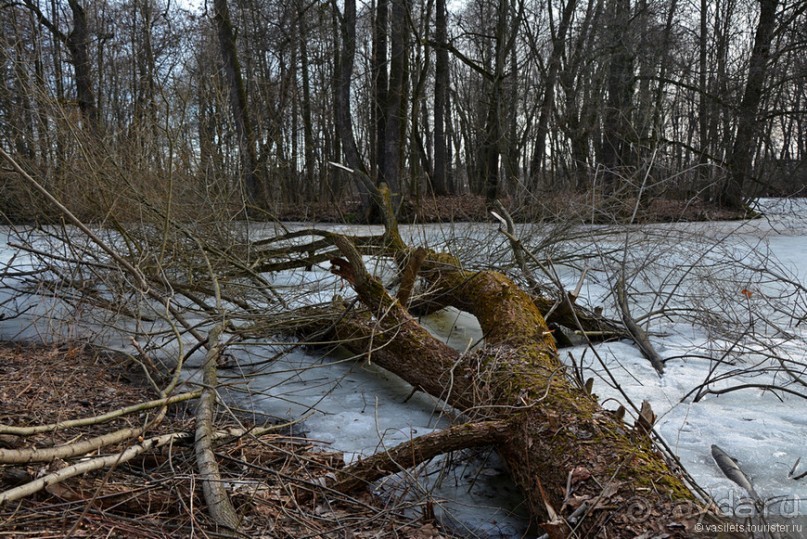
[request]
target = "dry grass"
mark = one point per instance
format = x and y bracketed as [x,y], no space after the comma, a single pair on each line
[552,207]
[158,494]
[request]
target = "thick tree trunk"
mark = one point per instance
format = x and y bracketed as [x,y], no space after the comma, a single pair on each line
[379,72]
[344,120]
[308,123]
[559,436]
[77,43]
[742,155]
[548,101]
[442,156]
[615,150]
[704,101]
[492,138]
[238,102]
[390,170]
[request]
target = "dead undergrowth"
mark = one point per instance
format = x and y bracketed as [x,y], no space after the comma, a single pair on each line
[158,494]
[550,206]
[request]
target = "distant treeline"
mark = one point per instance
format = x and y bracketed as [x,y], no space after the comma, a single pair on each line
[118,105]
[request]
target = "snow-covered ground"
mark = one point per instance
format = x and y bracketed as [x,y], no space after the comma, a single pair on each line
[702,281]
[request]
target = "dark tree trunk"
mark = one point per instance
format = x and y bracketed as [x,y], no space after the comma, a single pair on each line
[308,126]
[420,156]
[344,119]
[440,182]
[666,60]
[78,44]
[238,102]
[344,74]
[395,105]
[616,145]
[704,101]
[379,71]
[745,139]
[492,144]
[548,101]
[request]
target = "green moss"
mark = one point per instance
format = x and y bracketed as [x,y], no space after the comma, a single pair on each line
[570,428]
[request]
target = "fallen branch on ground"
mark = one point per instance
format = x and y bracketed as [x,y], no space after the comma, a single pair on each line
[87,421]
[218,502]
[88,466]
[417,451]
[33,454]
[639,335]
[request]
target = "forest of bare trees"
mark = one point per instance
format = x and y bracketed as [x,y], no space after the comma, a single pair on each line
[152,139]
[250,102]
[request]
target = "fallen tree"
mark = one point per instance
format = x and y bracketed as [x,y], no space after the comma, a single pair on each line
[583,470]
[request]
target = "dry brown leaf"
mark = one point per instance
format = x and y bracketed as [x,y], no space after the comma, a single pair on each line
[580,473]
[576,501]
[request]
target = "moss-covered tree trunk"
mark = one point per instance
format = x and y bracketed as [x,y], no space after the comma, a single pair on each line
[563,449]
